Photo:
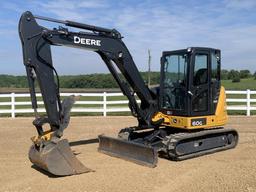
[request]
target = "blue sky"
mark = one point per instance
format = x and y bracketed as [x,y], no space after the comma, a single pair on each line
[159,25]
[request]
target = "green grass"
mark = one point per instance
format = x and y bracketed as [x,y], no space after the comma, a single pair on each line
[244,84]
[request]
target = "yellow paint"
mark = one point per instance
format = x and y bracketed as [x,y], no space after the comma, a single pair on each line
[45,137]
[212,121]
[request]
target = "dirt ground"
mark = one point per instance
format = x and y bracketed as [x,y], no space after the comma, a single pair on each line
[232,170]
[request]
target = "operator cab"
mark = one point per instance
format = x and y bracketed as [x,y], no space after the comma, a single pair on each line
[190,81]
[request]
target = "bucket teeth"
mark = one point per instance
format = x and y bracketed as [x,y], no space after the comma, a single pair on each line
[131,151]
[56,158]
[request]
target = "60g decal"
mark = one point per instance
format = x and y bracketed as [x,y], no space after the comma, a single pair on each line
[198,122]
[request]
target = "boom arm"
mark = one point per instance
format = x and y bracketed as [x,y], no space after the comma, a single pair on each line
[36,41]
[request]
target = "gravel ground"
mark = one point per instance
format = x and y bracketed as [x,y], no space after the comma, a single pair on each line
[232,170]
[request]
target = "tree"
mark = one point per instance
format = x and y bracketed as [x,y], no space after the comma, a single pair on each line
[224,74]
[232,74]
[236,79]
[245,74]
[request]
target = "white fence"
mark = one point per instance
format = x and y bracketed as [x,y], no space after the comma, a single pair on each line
[248,101]
[17,103]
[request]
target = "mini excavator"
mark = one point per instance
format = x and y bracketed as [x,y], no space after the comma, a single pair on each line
[181,119]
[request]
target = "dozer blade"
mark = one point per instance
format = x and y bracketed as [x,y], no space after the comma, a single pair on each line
[57,158]
[131,151]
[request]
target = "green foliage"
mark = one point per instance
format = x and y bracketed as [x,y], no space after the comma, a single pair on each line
[77,81]
[245,74]
[236,79]
[107,80]
[13,81]
[88,81]
[224,74]
[232,74]
[154,77]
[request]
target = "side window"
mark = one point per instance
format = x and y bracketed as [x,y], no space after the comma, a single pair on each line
[215,67]
[200,69]
[200,77]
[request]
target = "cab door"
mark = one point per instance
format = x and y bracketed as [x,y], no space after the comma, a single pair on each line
[199,83]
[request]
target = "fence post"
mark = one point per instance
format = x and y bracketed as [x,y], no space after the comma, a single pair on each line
[248,100]
[13,105]
[104,104]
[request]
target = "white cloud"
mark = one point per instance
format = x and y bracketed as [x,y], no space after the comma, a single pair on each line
[241,4]
[70,9]
[92,4]
[166,27]
[161,29]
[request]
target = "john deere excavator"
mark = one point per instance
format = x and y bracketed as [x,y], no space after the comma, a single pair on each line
[182,118]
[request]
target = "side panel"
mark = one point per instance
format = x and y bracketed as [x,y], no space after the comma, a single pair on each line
[219,119]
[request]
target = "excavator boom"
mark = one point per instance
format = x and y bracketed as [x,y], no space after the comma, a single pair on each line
[48,151]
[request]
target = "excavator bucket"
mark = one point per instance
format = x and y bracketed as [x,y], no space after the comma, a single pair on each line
[57,158]
[131,151]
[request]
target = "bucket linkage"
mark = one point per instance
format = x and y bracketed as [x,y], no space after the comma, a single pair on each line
[53,154]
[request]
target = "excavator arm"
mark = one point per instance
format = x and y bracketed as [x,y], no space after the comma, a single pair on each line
[36,44]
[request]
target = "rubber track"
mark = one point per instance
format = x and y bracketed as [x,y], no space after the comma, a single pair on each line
[178,138]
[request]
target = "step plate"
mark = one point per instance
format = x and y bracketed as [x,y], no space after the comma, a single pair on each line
[128,150]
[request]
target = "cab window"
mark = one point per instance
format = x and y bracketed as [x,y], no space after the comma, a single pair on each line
[200,70]
[215,60]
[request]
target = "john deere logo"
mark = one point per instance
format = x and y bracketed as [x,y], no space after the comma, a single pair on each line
[84,41]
